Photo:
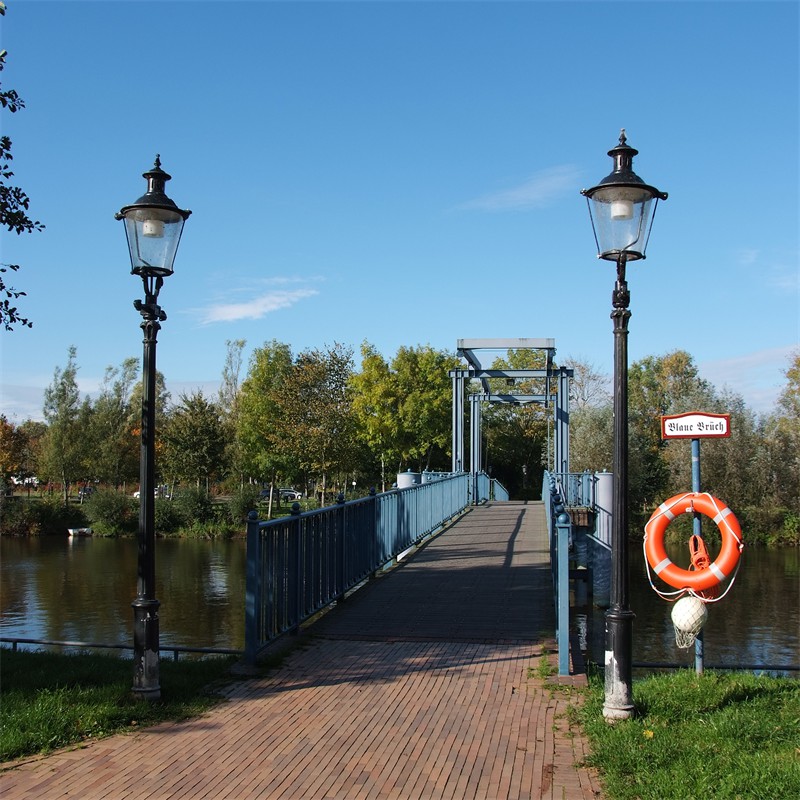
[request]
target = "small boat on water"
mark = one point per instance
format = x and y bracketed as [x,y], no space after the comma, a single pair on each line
[75,532]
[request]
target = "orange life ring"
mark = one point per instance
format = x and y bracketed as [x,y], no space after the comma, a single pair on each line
[714,573]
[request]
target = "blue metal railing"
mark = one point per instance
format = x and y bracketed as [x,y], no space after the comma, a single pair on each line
[559,528]
[577,488]
[498,492]
[298,565]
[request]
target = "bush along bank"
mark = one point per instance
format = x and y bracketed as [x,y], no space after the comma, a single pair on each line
[191,514]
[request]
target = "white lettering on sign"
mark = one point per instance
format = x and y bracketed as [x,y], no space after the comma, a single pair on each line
[695,425]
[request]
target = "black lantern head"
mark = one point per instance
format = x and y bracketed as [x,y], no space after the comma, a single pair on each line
[622,207]
[153,225]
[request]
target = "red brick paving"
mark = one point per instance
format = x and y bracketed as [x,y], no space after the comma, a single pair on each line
[422,686]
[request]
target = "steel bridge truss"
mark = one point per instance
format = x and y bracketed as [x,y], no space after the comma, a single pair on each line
[556,395]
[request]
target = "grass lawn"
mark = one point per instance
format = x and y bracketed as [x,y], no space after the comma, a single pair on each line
[51,700]
[727,736]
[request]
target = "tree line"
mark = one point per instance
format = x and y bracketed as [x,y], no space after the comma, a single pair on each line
[314,421]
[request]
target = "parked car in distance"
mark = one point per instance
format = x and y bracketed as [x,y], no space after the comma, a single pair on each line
[85,492]
[282,494]
[160,492]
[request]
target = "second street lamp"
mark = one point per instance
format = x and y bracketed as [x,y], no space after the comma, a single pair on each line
[153,225]
[621,208]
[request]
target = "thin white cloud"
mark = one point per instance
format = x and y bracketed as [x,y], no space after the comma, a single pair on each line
[778,272]
[769,358]
[538,191]
[255,307]
[758,377]
[785,280]
[748,256]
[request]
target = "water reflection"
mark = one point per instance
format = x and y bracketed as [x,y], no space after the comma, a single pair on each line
[81,590]
[757,623]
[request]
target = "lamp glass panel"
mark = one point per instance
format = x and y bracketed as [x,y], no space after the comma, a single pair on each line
[153,238]
[621,217]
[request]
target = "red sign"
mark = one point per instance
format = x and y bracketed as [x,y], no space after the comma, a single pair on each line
[696,425]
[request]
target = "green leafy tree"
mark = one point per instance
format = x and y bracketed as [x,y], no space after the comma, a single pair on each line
[591,438]
[315,413]
[12,450]
[12,444]
[263,450]
[404,409]
[591,419]
[33,433]
[375,406]
[782,431]
[64,447]
[732,468]
[14,204]
[659,385]
[162,398]
[194,440]
[424,393]
[114,456]
[229,407]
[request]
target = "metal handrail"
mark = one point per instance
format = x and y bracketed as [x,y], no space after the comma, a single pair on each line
[298,566]
[578,489]
[174,649]
[559,528]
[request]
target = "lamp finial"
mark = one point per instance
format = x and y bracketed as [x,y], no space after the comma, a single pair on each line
[622,137]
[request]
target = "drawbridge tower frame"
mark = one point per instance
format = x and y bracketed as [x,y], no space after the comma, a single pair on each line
[470,350]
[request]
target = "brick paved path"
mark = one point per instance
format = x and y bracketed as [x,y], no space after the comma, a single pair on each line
[423,685]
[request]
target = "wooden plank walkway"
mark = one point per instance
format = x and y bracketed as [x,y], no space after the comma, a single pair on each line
[426,684]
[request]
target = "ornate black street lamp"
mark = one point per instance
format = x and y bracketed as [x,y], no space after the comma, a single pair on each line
[153,225]
[621,208]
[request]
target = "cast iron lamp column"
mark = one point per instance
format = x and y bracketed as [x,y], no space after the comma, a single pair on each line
[153,225]
[621,208]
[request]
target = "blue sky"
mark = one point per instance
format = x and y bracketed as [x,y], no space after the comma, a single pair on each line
[406,173]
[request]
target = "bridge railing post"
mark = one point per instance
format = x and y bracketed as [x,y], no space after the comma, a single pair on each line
[296,572]
[343,572]
[563,535]
[253,598]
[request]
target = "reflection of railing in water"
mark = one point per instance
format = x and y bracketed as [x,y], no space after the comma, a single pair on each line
[174,649]
[299,565]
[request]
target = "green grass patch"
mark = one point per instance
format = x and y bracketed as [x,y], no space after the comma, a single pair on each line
[543,670]
[51,700]
[730,736]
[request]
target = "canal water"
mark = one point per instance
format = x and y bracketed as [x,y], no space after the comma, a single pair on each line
[81,590]
[756,623]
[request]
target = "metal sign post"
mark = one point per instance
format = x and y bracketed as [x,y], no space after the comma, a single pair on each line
[694,426]
[697,530]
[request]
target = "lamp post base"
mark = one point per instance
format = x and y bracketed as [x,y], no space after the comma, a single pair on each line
[618,702]
[146,682]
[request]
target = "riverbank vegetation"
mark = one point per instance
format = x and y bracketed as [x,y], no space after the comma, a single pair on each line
[314,422]
[728,736]
[52,700]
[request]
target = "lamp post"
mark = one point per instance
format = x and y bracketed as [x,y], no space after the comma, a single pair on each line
[621,208]
[153,225]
